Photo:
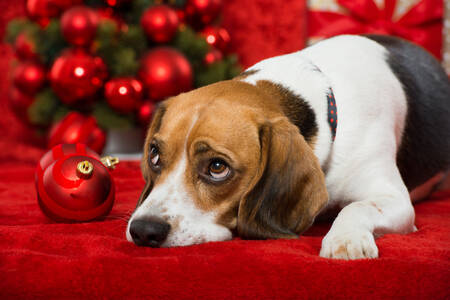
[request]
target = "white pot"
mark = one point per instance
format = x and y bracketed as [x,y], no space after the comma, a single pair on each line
[126,144]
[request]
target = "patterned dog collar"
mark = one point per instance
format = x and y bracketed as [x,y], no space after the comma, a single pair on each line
[332,113]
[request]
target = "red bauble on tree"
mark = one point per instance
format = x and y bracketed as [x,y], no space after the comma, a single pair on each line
[165,72]
[42,10]
[145,112]
[160,23]
[115,3]
[202,12]
[24,47]
[79,25]
[124,94]
[65,4]
[29,77]
[19,103]
[76,128]
[74,184]
[76,76]
[217,37]
[212,57]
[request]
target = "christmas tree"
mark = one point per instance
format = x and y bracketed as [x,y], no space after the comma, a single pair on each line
[112,60]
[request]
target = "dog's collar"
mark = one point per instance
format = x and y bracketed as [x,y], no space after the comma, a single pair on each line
[332,113]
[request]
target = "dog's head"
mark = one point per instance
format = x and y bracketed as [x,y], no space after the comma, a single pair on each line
[223,159]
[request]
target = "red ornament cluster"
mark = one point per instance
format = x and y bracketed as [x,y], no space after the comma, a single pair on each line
[78,77]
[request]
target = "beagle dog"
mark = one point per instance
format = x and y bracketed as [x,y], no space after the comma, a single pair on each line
[352,123]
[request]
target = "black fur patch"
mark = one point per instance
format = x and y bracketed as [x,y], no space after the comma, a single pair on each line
[425,146]
[298,112]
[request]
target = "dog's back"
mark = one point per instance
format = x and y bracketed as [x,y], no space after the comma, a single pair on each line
[398,82]
[425,147]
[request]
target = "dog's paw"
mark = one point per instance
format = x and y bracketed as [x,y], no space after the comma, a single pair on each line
[352,244]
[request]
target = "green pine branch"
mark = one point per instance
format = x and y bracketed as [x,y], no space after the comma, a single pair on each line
[107,118]
[42,111]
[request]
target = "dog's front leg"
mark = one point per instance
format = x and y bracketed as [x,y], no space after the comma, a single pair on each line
[384,207]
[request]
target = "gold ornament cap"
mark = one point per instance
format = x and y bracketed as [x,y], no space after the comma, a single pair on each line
[85,169]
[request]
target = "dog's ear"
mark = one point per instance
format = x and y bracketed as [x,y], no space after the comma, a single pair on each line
[289,189]
[155,124]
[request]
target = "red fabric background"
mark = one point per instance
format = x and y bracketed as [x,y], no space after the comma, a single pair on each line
[41,259]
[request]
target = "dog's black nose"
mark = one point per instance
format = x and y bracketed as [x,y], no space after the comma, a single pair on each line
[149,232]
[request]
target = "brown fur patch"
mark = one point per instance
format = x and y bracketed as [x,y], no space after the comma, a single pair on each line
[341,251]
[245,74]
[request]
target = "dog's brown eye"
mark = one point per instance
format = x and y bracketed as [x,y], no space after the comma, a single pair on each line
[154,155]
[218,169]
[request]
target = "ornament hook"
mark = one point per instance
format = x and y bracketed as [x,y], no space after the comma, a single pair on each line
[110,161]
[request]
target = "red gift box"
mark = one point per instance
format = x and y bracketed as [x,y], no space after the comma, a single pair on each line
[422,24]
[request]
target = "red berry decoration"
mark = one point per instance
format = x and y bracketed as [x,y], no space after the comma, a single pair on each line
[165,72]
[107,14]
[24,47]
[202,12]
[19,103]
[76,128]
[73,184]
[115,3]
[123,94]
[79,25]
[145,113]
[217,37]
[212,57]
[160,23]
[77,76]
[42,10]
[29,77]
[65,4]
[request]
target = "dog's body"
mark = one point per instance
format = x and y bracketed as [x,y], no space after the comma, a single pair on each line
[282,141]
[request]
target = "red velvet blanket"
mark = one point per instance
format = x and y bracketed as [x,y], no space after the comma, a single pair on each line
[41,259]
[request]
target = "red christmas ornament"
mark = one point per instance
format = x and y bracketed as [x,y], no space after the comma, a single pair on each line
[76,76]
[165,72]
[202,12]
[123,94]
[181,15]
[42,10]
[145,113]
[217,37]
[115,3]
[160,23]
[212,56]
[65,4]
[73,184]
[29,77]
[19,103]
[76,128]
[25,47]
[79,25]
